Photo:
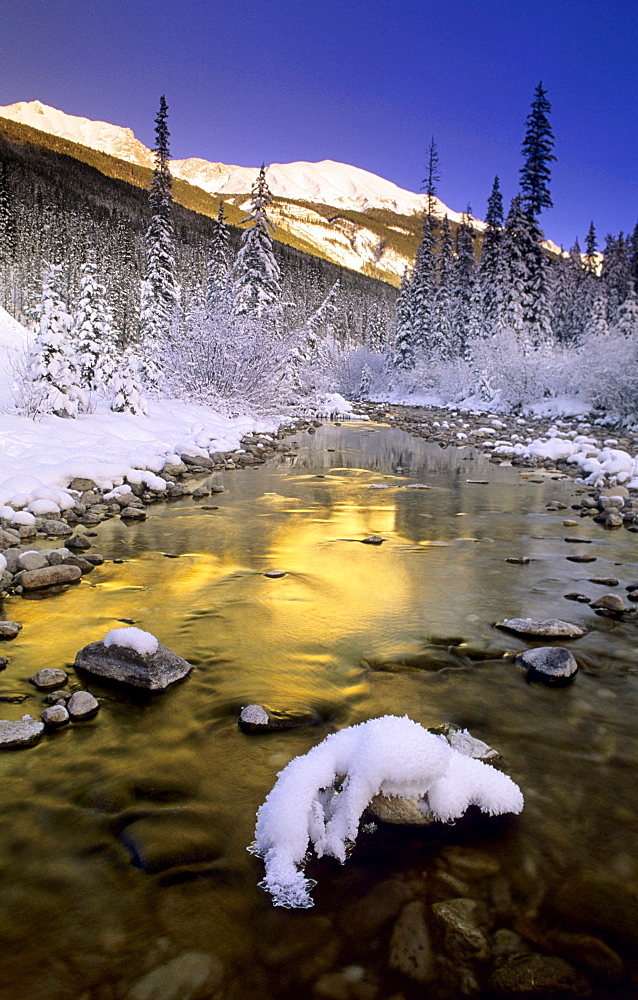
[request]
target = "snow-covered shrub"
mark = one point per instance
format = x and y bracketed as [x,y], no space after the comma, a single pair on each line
[389,755]
[126,384]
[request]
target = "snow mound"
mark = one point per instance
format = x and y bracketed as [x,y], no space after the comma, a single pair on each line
[388,756]
[142,642]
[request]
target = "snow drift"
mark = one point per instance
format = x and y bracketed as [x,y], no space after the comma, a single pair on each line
[389,755]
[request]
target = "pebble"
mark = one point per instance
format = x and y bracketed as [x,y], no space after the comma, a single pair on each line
[49,677]
[577,540]
[610,602]
[604,581]
[464,937]
[373,540]
[57,529]
[581,558]
[53,697]
[133,514]
[574,595]
[49,576]
[543,977]
[274,574]
[410,948]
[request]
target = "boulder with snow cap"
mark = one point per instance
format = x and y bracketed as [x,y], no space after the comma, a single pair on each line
[134,657]
[320,797]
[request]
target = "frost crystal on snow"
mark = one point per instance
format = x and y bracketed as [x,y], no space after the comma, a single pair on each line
[388,756]
[142,642]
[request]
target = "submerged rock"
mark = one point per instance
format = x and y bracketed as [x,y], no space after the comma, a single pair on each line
[154,671]
[545,977]
[257,719]
[24,733]
[610,602]
[373,540]
[550,627]
[410,948]
[549,664]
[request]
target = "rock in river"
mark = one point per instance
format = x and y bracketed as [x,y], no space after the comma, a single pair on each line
[550,627]
[154,671]
[49,576]
[9,630]
[49,677]
[24,733]
[550,664]
[257,719]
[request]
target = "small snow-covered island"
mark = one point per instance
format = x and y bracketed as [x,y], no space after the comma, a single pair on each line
[318,512]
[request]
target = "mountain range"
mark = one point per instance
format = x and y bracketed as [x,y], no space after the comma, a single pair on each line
[340,212]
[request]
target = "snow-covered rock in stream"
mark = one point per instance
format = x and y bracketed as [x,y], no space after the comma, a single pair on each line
[391,756]
[135,657]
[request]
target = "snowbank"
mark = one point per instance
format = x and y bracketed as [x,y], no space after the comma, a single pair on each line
[104,446]
[389,755]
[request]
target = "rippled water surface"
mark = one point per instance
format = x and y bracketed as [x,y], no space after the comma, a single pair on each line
[352,631]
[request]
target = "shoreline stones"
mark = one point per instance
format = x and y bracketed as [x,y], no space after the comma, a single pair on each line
[552,665]
[9,630]
[152,671]
[549,627]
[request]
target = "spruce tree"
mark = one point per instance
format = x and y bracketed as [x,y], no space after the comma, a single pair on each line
[627,322]
[537,151]
[160,291]
[492,275]
[7,220]
[217,289]
[616,274]
[632,244]
[404,339]
[432,177]
[256,276]
[443,331]
[92,334]
[423,290]
[591,247]
[464,287]
[52,367]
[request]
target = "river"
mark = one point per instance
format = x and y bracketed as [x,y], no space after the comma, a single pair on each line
[352,631]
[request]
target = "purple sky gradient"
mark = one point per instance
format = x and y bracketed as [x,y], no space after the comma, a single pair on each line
[366,83]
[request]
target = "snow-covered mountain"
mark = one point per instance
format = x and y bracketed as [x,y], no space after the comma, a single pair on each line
[344,240]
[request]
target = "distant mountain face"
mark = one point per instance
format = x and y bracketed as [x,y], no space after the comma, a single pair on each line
[350,215]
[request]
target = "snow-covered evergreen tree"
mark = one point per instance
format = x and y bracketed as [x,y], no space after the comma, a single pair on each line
[404,339]
[432,177]
[596,324]
[513,255]
[568,305]
[528,279]
[217,289]
[616,275]
[591,246]
[492,272]
[632,245]
[256,276]
[627,322]
[463,320]
[423,290]
[52,368]
[126,383]
[7,220]
[445,337]
[160,291]
[92,333]
[537,151]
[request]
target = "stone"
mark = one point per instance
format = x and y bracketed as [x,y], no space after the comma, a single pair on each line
[82,485]
[610,602]
[464,937]
[3,662]
[549,627]
[613,519]
[11,556]
[24,733]
[364,918]
[95,558]
[373,540]
[55,715]
[575,595]
[58,529]
[151,671]
[174,469]
[604,581]
[398,810]
[577,540]
[170,838]
[518,560]
[82,564]
[581,558]
[549,664]
[257,719]
[469,863]
[191,975]
[82,705]
[8,538]
[32,560]
[274,574]
[9,630]
[600,905]
[49,677]
[216,487]
[410,947]
[79,543]
[50,576]
[544,977]
[133,514]
[53,697]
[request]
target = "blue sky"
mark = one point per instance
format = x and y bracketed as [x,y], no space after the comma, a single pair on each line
[366,83]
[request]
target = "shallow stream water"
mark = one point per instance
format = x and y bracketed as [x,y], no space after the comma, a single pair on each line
[352,631]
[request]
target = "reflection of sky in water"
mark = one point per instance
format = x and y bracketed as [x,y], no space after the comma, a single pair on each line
[351,630]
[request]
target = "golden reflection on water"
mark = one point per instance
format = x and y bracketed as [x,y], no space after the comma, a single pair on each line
[351,631]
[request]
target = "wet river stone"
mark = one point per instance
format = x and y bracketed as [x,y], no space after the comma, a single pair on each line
[82,705]
[49,576]
[24,733]
[410,948]
[544,977]
[9,630]
[55,715]
[610,602]
[257,719]
[549,664]
[549,627]
[152,671]
[373,540]
[171,838]
[49,677]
